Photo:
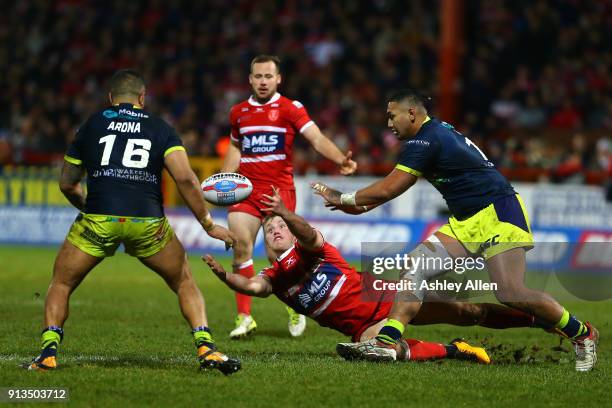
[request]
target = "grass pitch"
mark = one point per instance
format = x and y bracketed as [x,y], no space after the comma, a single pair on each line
[127,344]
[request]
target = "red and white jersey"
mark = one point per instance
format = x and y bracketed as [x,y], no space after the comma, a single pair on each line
[323,286]
[266,133]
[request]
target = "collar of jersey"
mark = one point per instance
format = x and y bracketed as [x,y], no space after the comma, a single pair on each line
[425,123]
[273,99]
[125,103]
[284,254]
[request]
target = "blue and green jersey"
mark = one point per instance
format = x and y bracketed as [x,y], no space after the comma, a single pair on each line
[123,149]
[455,166]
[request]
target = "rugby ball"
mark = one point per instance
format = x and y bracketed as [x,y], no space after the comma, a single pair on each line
[226,188]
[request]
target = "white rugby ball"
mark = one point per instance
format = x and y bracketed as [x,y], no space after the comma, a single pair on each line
[226,188]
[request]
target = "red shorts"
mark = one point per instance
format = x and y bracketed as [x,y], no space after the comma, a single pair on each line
[253,205]
[381,312]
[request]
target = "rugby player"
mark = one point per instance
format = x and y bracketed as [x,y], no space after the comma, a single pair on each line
[311,276]
[487,219]
[263,129]
[123,150]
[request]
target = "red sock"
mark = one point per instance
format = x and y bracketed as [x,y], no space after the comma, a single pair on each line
[243,302]
[503,317]
[422,350]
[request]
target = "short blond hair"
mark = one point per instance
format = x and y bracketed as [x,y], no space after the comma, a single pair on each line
[267,219]
[266,58]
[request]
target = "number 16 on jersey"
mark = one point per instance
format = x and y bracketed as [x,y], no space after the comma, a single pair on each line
[136,154]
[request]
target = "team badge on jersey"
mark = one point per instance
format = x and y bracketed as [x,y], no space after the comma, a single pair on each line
[273,115]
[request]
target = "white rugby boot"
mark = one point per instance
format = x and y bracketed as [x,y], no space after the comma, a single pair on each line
[370,350]
[245,325]
[297,323]
[586,349]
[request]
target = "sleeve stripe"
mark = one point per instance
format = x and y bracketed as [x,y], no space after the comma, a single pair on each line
[306,126]
[409,170]
[173,149]
[72,160]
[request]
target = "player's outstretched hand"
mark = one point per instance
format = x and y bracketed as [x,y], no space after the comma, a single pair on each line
[330,195]
[349,209]
[223,234]
[348,166]
[215,266]
[274,203]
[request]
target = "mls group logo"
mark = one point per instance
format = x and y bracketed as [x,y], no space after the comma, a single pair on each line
[263,143]
[304,299]
[314,291]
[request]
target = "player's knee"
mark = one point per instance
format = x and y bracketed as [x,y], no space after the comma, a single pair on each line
[60,286]
[184,277]
[508,294]
[243,249]
[186,274]
[61,281]
[429,259]
[405,308]
[181,282]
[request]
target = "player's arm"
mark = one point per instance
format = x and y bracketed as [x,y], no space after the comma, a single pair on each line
[188,185]
[329,150]
[412,160]
[232,158]
[307,236]
[258,285]
[353,210]
[70,184]
[386,189]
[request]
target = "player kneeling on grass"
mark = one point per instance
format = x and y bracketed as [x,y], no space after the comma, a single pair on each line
[311,276]
[123,150]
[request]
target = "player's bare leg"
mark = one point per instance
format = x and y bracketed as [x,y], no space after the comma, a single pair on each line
[172,265]
[407,304]
[386,345]
[70,268]
[245,226]
[412,349]
[507,270]
[472,314]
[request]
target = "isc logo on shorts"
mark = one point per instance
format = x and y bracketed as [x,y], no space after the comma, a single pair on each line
[263,143]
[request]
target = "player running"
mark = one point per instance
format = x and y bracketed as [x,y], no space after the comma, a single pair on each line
[123,150]
[488,219]
[312,277]
[263,129]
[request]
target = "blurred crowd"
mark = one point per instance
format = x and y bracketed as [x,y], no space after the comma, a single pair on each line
[535,89]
